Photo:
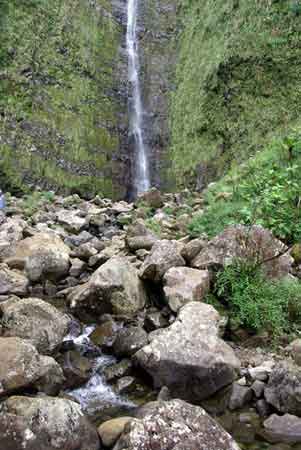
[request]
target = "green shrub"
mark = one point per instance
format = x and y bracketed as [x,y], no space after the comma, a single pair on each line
[266,191]
[33,201]
[256,303]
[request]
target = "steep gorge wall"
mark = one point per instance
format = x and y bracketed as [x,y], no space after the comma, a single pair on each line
[238,83]
[62,112]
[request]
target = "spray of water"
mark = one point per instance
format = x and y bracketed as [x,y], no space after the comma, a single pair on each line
[142,179]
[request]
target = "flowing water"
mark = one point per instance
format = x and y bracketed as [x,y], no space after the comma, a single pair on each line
[142,177]
[96,396]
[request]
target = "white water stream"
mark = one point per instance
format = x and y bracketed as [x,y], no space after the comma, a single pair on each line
[142,178]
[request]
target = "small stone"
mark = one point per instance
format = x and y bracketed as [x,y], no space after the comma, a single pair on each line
[111,430]
[241,395]
[125,385]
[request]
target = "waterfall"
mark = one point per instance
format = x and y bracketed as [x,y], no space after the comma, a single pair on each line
[142,179]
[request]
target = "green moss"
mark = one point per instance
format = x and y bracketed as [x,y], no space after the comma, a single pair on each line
[237,82]
[56,83]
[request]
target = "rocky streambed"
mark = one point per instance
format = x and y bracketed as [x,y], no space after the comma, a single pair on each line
[106,340]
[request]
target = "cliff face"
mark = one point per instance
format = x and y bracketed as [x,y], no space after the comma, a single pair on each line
[61,112]
[237,82]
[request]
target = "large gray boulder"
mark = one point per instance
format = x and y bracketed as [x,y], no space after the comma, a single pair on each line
[247,243]
[114,287]
[284,389]
[43,256]
[183,285]
[285,428]
[12,281]
[138,236]
[164,255]
[189,357]
[71,220]
[22,366]
[36,321]
[174,425]
[45,423]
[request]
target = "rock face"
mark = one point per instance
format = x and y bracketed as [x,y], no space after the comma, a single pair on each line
[140,237]
[114,287]
[12,281]
[284,389]
[45,423]
[164,255]
[174,425]
[34,320]
[21,365]
[189,357]
[285,428]
[183,285]
[43,255]
[241,242]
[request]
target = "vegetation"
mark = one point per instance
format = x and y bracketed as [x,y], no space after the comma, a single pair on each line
[33,201]
[265,191]
[58,121]
[237,83]
[256,303]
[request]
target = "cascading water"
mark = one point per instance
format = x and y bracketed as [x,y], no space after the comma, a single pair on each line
[142,178]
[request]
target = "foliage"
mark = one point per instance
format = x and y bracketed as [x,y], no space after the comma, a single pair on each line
[154,226]
[237,83]
[257,303]
[266,191]
[32,202]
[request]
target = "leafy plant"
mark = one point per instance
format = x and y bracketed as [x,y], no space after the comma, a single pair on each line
[257,303]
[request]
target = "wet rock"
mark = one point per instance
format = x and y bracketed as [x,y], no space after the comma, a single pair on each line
[115,371]
[174,425]
[43,256]
[36,321]
[155,320]
[240,396]
[242,242]
[129,340]
[283,391]
[104,334]
[12,281]
[285,429]
[164,255]
[70,220]
[21,365]
[189,357]
[114,287]
[111,430]
[183,285]
[77,368]
[125,385]
[140,237]
[45,423]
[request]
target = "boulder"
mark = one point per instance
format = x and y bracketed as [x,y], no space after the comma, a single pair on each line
[174,425]
[164,255]
[43,256]
[152,199]
[51,377]
[295,350]
[242,242]
[111,430]
[183,285]
[70,220]
[129,340]
[22,366]
[45,423]
[77,368]
[140,237]
[189,357]
[285,429]
[11,231]
[114,287]
[36,321]
[283,391]
[12,281]
[240,396]
[192,249]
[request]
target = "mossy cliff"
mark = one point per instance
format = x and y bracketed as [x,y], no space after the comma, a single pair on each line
[59,105]
[238,82]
